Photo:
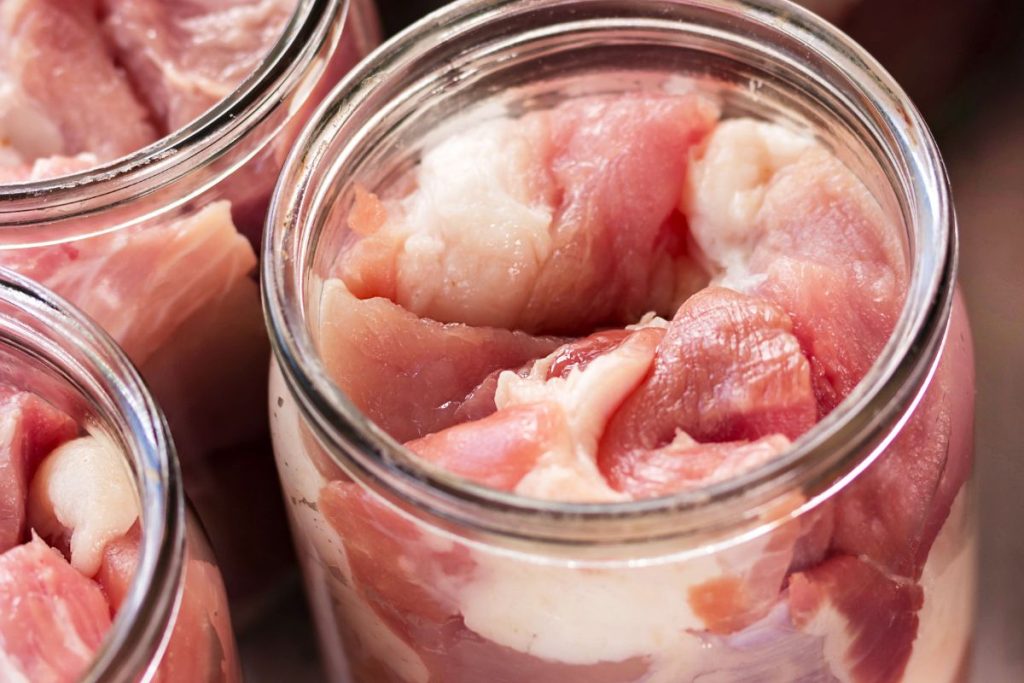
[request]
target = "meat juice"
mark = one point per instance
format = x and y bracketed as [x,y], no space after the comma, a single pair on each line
[139,143]
[626,325]
[96,546]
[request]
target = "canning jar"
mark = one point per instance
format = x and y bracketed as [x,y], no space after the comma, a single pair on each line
[169,607]
[159,248]
[851,556]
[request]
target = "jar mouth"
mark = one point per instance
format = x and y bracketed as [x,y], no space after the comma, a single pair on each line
[290,64]
[71,347]
[818,463]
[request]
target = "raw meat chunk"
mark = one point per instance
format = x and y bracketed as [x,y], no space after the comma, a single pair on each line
[893,512]
[52,619]
[29,429]
[140,284]
[728,369]
[685,464]
[201,643]
[60,90]
[406,373]
[184,56]
[579,206]
[81,498]
[778,216]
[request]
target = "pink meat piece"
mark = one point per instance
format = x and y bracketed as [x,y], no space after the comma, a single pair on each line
[580,205]
[893,512]
[687,464]
[30,428]
[880,613]
[496,451]
[835,265]
[52,619]
[141,284]
[201,646]
[64,93]
[728,369]
[410,374]
[184,56]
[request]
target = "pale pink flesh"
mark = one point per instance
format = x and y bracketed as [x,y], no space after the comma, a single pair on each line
[52,619]
[141,284]
[607,173]
[186,55]
[67,83]
[411,374]
[727,369]
[827,280]
[201,647]
[30,428]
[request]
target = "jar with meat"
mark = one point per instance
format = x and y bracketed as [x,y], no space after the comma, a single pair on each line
[619,342]
[139,144]
[104,574]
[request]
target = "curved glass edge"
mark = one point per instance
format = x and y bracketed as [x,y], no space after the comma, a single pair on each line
[824,459]
[85,356]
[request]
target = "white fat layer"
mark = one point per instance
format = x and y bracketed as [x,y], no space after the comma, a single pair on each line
[300,479]
[475,235]
[947,617]
[84,489]
[588,398]
[586,616]
[725,190]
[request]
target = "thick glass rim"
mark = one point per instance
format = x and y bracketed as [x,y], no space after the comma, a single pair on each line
[826,458]
[288,65]
[76,347]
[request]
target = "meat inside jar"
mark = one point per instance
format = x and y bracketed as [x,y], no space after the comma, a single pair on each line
[619,298]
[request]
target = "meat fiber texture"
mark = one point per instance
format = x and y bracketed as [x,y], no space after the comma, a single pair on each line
[69,541]
[621,298]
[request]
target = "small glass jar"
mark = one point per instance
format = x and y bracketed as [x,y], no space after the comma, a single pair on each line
[419,576]
[173,621]
[184,304]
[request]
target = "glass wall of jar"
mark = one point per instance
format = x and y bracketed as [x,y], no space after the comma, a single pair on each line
[848,556]
[159,247]
[105,575]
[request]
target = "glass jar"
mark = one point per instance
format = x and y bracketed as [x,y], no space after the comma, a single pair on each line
[416,575]
[172,620]
[151,246]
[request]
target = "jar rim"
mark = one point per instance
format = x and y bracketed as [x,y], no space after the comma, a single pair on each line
[834,451]
[144,620]
[192,148]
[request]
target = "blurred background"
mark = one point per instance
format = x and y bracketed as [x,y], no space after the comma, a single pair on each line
[962,61]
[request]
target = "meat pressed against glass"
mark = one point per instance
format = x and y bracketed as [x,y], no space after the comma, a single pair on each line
[69,543]
[620,298]
[170,274]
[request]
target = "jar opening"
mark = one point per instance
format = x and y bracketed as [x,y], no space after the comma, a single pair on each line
[779,61]
[64,358]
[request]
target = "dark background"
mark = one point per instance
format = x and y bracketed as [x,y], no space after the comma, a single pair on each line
[962,61]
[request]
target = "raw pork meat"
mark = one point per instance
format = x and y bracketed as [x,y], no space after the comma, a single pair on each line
[61,92]
[52,619]
[724,286]
[184,56]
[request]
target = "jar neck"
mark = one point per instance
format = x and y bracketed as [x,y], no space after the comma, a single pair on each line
[189,161]
[58,353]
[785,63]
